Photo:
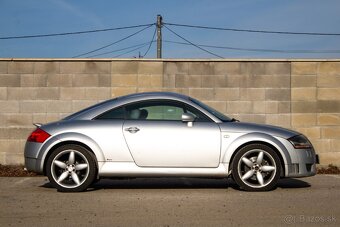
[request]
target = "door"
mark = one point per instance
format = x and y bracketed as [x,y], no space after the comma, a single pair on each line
[157,137]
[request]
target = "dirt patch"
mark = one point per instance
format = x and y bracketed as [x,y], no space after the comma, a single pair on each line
[15,171]
[330,169]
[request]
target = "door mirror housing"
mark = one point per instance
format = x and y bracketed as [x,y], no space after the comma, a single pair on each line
[188,117]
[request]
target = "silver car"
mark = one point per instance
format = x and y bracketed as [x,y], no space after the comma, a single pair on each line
[162,134]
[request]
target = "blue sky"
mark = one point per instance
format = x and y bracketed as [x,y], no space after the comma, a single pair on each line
[29,17]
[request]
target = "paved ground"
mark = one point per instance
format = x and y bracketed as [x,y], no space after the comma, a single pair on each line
[170,202]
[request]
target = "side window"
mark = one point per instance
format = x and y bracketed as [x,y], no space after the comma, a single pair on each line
[114,114]
[155,110]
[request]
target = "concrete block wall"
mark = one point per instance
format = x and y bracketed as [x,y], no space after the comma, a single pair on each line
[299,94]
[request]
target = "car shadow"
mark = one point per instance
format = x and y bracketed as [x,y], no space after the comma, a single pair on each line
[179,183]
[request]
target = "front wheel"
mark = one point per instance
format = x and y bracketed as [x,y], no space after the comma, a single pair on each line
[71,168]
[256,167]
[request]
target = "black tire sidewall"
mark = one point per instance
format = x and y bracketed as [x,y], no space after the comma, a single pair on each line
[92,168]
[239,155]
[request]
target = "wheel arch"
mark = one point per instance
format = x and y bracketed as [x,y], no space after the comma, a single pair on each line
[258,138]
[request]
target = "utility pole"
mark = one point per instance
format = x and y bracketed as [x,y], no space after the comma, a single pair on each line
[159,36]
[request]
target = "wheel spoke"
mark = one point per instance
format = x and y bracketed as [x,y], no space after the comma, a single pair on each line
[259,158]
[248,174]
[60,164]
[267,168]
[71,158]
[75,178]
[63,176]
[81,166]
[247,162]
[259,178]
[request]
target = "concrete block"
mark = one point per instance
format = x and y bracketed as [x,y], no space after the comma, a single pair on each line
[208,81]
[15,133]
[227,94]
[330,158]
[33,107]
[321,145]
[304,94]
[65,80]
[282,120]
[104,80]
[9,106]
[329,93]
[328,106]
[239,107]
[124,80]
[14,158]
[304,106]
[169,80]
[3,93]
[16,93]
[218,105]
[85,80]
[304,68]
[271,107]
[277,68]
[329,68]
[79,105]
[303,81]
[58,106]
[331,132]
[200,68]
[149,89]
[335,145]
[254,118]
[53,80]
[9,80]
[149,67]
[150,80]
[40,80]
[176,68]
[284,107]
[16,119]
[184,91]
[44,118]
[97,93]
[256,68]
[203,94]
[120,91]
[124,67]
[310,132]
[279,94]
[27,80]
[329,119]
[48,93]
[4,67]
[249,94]
[72,93]
[49,67]
[267,81]
[328,81]
[188,81]
[88,67]
[300,120]
[259,107]
[229,68]
[20,67]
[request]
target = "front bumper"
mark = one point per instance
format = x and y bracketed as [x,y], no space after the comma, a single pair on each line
[305,164]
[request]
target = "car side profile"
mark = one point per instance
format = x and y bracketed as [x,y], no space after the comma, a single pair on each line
[163,134]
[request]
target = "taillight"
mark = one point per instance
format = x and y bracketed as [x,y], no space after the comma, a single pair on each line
[38,136]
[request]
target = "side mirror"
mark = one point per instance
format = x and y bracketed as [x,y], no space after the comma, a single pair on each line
[188,117]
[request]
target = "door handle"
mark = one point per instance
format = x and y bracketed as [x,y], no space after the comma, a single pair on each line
[132,129]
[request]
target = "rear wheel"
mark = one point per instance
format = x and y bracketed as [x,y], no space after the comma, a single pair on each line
[71,168]
[256,167]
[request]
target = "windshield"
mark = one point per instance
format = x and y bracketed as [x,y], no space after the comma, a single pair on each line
[211,110]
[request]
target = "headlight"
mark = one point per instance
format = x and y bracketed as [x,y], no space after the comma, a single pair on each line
[300,142]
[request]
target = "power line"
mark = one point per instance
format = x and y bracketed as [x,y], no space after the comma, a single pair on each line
[74,33]
[152,40]
[103,47]
[125,48]
[131,51]
[253,31]
[207,51]
[260,50]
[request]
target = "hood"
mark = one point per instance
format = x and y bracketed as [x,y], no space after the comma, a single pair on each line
[262,128]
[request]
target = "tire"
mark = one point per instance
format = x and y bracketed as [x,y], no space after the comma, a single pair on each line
[256,167]
[71,168]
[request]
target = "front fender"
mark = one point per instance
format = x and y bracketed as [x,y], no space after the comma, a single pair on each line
[254,137]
